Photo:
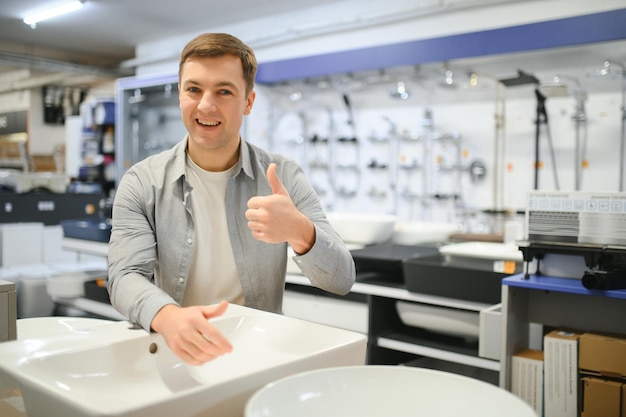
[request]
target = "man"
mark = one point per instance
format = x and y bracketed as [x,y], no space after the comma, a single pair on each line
[210,219]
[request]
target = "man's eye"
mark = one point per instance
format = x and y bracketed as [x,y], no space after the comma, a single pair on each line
[225,92]
[193,89]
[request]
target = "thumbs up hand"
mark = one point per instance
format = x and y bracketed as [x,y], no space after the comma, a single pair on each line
[275,183]
[275,218]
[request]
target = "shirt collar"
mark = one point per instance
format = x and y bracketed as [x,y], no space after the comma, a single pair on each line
[244,158]
[180,155]
[178,164]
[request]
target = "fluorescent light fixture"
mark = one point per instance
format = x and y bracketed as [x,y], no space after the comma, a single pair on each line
[35,18]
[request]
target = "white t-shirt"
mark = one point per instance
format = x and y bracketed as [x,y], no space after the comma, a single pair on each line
[212,272]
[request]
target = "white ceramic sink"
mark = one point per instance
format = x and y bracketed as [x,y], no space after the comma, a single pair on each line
[37,327]
[377,390]
[117,370]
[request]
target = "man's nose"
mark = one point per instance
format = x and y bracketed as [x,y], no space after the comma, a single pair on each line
[207,102]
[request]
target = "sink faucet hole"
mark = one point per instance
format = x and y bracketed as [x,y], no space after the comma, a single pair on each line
[153,348]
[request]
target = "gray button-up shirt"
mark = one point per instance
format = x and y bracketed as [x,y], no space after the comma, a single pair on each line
[153,230]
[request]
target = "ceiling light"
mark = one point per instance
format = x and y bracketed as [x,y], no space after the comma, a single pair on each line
[473,79]
[35,18]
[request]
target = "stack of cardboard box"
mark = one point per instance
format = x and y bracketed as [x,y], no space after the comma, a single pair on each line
[527,381]
[602,365]
[561,377]
[576,375]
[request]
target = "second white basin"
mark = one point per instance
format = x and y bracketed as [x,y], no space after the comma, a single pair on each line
[484,250]
[362,228]
[413,233]
[379,390]
[118,370]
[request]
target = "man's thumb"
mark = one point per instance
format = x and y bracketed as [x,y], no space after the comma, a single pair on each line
[216,310]
[275,183]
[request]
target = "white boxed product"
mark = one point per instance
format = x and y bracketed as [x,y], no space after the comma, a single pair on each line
[576,217]
[32,297]
[490,332]
[30,282]
[561,373]
[21,244]
[71,284]
[527,378]
[53,246]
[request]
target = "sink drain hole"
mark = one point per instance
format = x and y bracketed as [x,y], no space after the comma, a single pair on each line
[153,348]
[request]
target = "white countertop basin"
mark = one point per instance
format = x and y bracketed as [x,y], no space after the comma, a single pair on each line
[362,228]
[484,250]
[376,390]
[115,369]
[413,233]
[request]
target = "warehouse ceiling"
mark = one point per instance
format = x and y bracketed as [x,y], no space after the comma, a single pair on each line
[104,33]
[94,41]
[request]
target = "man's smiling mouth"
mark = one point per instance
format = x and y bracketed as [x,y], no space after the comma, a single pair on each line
[207,123]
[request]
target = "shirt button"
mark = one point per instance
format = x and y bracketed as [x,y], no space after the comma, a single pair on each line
[189,241]
[181,280]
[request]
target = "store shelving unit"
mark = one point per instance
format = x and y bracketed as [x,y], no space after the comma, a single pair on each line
[88,247]
[98,156]
[392,342]
[554,302]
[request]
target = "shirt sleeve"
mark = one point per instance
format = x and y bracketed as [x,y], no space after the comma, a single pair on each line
[132,255]
[329,264]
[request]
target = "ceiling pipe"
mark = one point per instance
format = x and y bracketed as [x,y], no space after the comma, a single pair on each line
[62,79]
[53,65]
[61,73]
[296,33]
[361,22]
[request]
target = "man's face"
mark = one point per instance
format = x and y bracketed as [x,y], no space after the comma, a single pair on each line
[213,101]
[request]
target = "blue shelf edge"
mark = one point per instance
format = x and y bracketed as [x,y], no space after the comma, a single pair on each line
[566,285]
[570,31]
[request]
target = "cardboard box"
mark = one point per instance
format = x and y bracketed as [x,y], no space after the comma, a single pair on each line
[603,354]
[561,374]
[602,398]
[527,378]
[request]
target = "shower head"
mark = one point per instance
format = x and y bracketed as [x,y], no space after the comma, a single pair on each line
[137,97]
[560,87]
[448,78]
[554,89]
[521,79]
[400,91]
[295,95]
[611,69]
[614,67]
[167,91]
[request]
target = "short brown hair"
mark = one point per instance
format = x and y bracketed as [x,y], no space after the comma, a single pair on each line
[219,44]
